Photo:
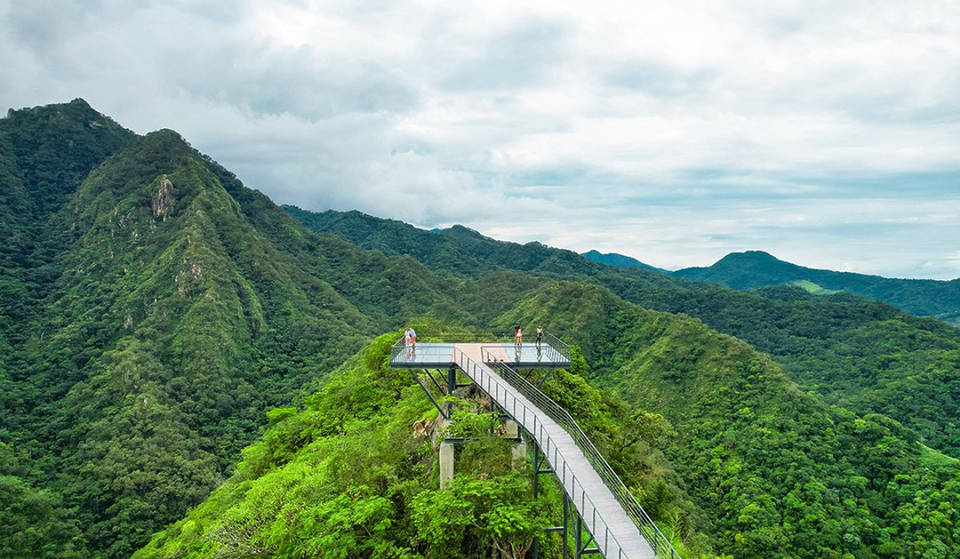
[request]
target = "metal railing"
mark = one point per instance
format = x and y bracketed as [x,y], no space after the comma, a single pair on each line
[546,352]
[398,348]
[560,347]
[657,540]
[556,350]
[450,337]
[529,417]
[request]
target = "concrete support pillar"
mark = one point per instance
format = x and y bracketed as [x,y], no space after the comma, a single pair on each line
[519,455]
[446,463]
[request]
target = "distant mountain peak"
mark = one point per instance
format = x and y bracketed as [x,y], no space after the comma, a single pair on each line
[617,260]
[755,268]
[463,231]
[753,255]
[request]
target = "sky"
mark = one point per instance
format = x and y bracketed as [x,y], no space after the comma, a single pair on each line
[826,133]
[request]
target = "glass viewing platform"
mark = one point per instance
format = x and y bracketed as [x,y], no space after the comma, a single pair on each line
[550,353]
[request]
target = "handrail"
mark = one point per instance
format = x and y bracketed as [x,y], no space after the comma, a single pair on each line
[531,422]
[398,348]
[552,354]
[555,342]
[558,350]
[657,540]
[449,337]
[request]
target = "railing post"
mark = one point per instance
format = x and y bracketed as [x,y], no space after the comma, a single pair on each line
[577,537]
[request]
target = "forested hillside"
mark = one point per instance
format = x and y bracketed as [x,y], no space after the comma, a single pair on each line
[780,473]
[154,310]
[752,269]
[333,483]
[859,354]
[751,467]
[151,320]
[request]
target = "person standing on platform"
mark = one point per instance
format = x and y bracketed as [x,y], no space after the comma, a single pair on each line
[539,335]
[517,335]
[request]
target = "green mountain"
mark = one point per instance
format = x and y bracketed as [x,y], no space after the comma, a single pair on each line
[778,472]
[617,260]
[730,457]
[859,354]
[752,269]
[166,307]
[154,308]
[44,155]
[458,249]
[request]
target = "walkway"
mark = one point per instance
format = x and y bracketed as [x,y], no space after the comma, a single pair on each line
[615,534]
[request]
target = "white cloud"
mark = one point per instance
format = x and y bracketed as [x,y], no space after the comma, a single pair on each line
[825,132]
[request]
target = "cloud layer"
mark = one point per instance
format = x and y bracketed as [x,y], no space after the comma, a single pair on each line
[826,133]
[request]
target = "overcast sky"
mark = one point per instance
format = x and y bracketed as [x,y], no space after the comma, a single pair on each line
[827,133]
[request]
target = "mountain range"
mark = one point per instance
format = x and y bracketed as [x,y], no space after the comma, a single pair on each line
[753,269]
[189,370]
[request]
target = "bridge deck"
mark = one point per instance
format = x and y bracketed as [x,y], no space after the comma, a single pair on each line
[614,532]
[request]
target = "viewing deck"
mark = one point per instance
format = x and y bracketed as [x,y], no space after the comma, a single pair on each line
[551,353]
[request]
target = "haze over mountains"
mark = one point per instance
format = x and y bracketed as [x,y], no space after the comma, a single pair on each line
[154,309]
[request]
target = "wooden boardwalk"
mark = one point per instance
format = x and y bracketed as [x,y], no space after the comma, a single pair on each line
[615,534]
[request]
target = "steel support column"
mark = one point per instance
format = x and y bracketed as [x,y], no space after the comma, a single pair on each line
[416,377]
[451,380]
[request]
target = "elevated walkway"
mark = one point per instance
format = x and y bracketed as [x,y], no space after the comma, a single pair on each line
[618,525]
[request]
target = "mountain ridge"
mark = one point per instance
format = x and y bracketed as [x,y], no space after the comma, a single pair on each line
[179,306]
[787,322]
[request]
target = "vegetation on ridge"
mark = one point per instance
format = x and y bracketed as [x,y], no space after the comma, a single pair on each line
[778,472]
[181,305]
[858,354]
